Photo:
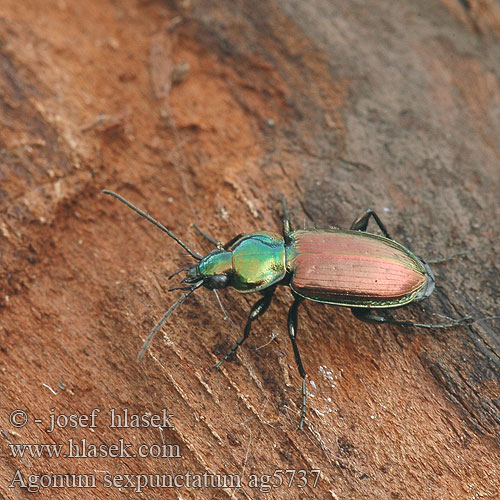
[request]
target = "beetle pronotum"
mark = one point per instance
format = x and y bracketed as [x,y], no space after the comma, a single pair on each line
[350,268]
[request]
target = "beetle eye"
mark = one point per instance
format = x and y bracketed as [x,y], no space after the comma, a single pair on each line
[216,281]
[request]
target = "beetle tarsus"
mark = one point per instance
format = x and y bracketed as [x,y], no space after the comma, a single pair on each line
[292,323]
[368,316]
[258,309]
[447,259]
[451,324]
[303,410]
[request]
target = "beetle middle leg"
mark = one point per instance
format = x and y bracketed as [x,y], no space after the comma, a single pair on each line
[292,323]
[361,223]
[258,309]
[287,225]
[368,316]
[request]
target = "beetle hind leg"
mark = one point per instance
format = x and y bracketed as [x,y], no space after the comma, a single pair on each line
[368,316]
[361,223]
[292,323]
[258,309]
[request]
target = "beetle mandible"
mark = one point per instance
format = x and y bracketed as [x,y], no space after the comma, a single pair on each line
[350,268]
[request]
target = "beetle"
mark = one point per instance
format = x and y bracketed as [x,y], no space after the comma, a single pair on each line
[349,268]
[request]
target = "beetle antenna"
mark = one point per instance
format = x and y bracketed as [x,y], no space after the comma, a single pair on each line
[164,318]
[195,255]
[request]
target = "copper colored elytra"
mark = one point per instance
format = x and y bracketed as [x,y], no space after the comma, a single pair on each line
[354,268]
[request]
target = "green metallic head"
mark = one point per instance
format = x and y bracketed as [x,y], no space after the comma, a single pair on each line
[214,270]
[252,263]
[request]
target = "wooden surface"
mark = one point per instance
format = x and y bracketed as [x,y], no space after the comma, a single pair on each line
[208,112]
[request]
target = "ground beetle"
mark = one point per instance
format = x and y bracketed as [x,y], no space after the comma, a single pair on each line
[350,268]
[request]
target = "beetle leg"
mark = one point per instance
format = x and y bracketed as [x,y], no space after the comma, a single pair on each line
[446,259]
[369,317]
[212,240]
[361,223]
[292,332]
[287,226]
[258,309]
[232,241]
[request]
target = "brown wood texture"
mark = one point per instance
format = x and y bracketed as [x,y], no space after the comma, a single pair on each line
[208,112]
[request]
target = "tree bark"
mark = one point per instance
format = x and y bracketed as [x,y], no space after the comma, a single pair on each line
[208,112]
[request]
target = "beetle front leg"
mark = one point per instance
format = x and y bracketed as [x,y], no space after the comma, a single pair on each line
[212,240]
[369,317]
[258,309]
[361,223]
[230,243]
[292,332]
